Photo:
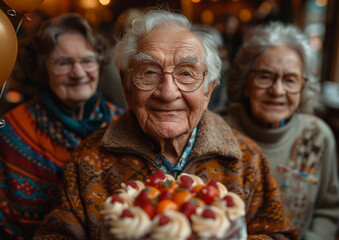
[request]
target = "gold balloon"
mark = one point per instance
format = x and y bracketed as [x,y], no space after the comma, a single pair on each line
[23,6]
[8,47]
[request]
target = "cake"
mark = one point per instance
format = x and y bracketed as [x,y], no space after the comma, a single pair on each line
[162,207]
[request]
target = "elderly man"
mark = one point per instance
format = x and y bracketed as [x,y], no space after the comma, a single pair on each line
[168,71]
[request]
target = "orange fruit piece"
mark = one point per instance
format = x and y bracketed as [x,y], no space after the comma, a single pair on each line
[152,192]
[181,196]
[168,186]
[166,205]
[197,201]
[197,188]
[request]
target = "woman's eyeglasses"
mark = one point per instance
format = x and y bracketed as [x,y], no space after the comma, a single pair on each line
[292,83]
[63,65]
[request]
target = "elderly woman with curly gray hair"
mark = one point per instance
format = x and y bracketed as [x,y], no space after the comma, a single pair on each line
[63,61]
[273,91]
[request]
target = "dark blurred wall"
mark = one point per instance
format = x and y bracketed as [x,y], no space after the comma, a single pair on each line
[330,65]
[121,5]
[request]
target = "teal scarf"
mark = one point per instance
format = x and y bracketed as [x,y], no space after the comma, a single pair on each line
[96,114]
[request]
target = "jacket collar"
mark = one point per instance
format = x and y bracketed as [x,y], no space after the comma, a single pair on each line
[214,137]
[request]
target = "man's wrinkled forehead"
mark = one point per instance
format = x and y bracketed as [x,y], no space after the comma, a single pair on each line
[142,57]
[171,44]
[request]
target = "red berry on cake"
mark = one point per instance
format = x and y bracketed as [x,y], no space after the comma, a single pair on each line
[149,209]
[213,183]
[163,220]
[116,198]
[208,213]
[208,193]
[186,182]
[132,183]
[165,195]
[142,198]
[229,201]
[126,213]
[188,208]
[160,173]
[153,180]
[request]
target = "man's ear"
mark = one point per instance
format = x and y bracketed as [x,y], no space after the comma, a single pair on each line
[126,85]
[208,94]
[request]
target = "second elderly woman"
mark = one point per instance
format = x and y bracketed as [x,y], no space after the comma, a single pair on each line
[64,60]
[272,88]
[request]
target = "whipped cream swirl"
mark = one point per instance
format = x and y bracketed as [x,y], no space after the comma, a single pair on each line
[234,212]
[222,189]
[238,210]
[112,210]
[177,228]
[128,193]
[169,177]
[130,228]
[208,227]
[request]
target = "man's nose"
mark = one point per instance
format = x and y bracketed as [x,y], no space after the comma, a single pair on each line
[167,89]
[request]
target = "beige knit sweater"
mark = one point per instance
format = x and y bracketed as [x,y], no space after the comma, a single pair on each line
[302,155]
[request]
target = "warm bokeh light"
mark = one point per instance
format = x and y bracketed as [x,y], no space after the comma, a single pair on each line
[245,15]
[14,96]
[265,7]
[105,2]
[195,1]
[321,3]
[187,8]
[87,4]
[207,16]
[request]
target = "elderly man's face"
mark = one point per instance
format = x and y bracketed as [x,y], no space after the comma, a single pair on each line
[166,111]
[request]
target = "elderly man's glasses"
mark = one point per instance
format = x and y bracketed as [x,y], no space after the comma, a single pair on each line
[292,83]
[148,75]
[63,65]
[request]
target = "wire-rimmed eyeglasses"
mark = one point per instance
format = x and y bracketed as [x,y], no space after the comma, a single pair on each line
[147,75]
[292,83]
[63,65]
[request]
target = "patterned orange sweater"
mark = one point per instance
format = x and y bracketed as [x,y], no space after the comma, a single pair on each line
[122,152]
